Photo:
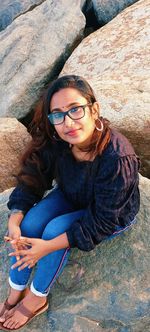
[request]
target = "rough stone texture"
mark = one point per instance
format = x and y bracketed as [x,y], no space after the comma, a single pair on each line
[32,51]
[10,9]
[13,139]
[106,10]
[116,61]
[113,293]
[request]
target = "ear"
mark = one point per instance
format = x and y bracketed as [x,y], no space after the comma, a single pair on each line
[96,110]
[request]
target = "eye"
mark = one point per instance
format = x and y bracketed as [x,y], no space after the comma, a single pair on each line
[57,115]
[76,109]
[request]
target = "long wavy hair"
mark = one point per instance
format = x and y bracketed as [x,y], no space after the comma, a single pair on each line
[43,132]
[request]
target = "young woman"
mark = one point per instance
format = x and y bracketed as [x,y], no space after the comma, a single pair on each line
[96,195]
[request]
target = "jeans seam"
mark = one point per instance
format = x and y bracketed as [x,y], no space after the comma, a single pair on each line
[57,272]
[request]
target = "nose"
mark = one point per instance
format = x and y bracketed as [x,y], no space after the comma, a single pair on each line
[68,121]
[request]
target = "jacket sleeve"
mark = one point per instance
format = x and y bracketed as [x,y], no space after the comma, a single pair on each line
[115,193]
[24,197]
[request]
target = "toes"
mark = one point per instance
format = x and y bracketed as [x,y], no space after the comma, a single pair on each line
[9,324]
[17,326]
[2,319]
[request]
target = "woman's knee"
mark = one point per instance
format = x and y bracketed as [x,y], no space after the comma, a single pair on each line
[26,226]
[31,225]
[61,224]
[52,230]
[56,227]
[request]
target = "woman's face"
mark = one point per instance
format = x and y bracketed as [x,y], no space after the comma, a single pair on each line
[75,132]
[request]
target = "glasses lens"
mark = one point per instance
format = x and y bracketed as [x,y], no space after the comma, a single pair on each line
[76,112]
[56,118]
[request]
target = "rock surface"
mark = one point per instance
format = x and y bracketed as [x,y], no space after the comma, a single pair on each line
[113,293]
[10,9]
[13,139]
[106,10]
[115,60]
[32,51]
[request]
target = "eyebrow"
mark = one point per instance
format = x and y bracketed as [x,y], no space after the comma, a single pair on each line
[69,105]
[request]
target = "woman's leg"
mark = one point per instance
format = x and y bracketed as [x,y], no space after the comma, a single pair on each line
[33,225]
[50,266]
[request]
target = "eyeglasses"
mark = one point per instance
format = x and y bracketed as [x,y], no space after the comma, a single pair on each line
[74,113]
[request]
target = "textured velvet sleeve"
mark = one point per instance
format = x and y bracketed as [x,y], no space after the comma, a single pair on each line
[115,203]
[24,196]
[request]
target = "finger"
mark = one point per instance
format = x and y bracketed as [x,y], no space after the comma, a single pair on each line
[19,253]
[28,264]
[7,238]
[20,262]
[23,266]
[27,240]
[15,265]
[21,242]
[22,247]
[17,256]
[14,241]
[32,265]
[15,248]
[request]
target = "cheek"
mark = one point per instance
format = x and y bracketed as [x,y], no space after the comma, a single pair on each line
[59,130]
[90,122]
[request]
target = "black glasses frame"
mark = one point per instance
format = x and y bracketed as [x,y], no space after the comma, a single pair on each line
[68,113]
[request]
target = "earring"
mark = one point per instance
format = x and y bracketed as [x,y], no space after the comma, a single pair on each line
[56,138]
[101,123]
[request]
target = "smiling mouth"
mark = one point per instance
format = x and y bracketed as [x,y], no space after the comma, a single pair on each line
[72,132]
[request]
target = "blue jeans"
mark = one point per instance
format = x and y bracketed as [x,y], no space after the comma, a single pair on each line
[52,216]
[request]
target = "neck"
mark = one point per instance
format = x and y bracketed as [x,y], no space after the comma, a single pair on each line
[80,154]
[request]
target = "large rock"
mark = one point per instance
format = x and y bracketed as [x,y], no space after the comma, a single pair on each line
[111,293]
[10,9]
[41,323]
[106,10]
[32,51]
[115,60]
[13,139]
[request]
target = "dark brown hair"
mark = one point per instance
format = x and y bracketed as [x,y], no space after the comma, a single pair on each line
[42,130]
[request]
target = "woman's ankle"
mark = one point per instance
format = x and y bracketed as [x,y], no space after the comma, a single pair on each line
[15,296]
[33,300]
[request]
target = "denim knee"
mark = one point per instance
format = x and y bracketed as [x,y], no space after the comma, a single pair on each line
[52,230]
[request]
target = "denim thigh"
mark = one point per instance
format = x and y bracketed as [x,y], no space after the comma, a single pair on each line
[50,207]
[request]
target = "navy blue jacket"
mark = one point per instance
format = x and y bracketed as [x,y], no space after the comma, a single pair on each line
[107,188]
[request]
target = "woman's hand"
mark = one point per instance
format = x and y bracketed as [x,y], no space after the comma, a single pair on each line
[14,231]
[14,222]
[38,249]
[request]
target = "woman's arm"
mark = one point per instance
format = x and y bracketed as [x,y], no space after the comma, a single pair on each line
[38,249]
[34,179]
[115,203]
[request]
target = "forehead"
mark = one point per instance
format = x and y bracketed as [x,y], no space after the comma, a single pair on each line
[66,97]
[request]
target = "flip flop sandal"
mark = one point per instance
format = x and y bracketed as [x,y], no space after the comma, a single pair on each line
[7,306]
[27,313]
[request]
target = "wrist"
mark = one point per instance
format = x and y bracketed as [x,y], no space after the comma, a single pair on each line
[14,212]
[15,218]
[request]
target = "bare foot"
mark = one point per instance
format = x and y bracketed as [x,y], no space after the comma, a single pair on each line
[14,297]
[32,303]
